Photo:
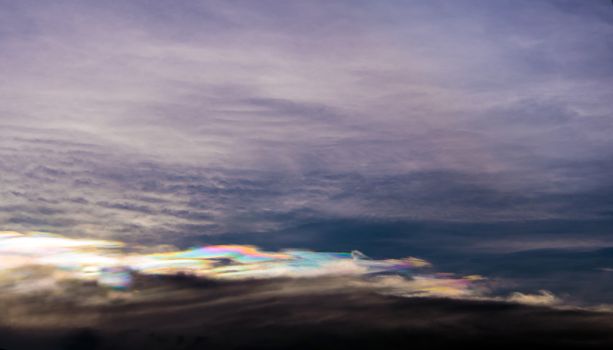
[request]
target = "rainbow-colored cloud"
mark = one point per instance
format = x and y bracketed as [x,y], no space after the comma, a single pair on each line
[111,264]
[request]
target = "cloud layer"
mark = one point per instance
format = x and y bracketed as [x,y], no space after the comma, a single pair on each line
[464,131]
[145,118]
[340,313]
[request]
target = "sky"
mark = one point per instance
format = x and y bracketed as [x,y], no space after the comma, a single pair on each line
[474,134]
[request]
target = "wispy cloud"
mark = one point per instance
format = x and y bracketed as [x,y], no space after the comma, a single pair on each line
[112,264]
[39,262]
[452,117]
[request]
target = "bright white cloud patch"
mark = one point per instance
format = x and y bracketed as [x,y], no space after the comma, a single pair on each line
[111,264]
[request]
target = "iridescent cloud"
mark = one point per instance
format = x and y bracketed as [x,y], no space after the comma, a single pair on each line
[111,264]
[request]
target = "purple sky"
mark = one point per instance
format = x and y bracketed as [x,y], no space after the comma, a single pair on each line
[165,121]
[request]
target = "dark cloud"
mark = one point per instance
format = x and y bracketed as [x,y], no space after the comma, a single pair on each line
[181,313]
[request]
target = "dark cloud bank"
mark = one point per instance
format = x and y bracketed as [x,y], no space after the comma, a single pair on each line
[182,313]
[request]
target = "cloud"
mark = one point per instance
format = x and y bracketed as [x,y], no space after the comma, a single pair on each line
[40,263]
[98,294]
[180,312]
[543,298]
[106,263]
[212,121]
[352,93]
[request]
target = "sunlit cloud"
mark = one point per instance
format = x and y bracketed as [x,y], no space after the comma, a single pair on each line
[112,263]
[544,297]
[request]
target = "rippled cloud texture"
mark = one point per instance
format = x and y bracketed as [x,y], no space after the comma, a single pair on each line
[152,118]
